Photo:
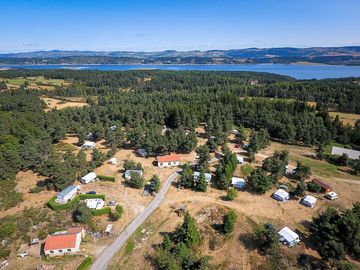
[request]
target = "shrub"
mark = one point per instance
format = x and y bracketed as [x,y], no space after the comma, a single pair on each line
[36,189]
[90,196]
[58,207]
[229,222]
[4,252]
[313,187]
[231,194]
[100,212]
[106,178]
[85,264]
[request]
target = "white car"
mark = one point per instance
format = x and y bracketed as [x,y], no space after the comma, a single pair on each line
[332,195]
[22,254]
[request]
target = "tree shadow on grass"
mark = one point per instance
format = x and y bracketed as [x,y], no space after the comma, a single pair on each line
[248,241]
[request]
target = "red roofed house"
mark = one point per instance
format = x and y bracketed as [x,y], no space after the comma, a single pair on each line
[168,160]
[67,242]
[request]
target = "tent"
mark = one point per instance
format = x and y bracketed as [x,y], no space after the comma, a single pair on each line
[309,201]
[288,237]
[281,195]
[238,183]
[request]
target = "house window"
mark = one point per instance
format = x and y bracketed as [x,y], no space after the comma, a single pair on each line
[51,251]
[69,250]
[60,250]
[160,164]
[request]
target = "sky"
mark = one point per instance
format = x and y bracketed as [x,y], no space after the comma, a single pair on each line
[155,25]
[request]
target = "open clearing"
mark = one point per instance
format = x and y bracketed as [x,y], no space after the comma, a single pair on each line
[58,104]
[346,118]
[34,83]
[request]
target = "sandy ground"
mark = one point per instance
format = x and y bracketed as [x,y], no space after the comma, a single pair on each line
[57,104]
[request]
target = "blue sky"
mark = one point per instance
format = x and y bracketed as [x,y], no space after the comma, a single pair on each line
[153,25]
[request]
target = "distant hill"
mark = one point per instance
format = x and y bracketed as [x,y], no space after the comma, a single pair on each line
[325,55]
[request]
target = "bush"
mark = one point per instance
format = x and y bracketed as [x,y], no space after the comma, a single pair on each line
[100,212]
[313,187]
[85,264]
[4,252]
[229,222]
[57,207]
[231,194]
[106,178]
[136,181]
[36,189]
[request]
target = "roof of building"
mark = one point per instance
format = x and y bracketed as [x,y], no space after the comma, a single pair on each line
[353,154]
[89,176]
[208,176]
[288,234]
[168,158]
[74,230]
[66,191]
[60,241]
[310,199]
[322,183]
[237,180]
[88,143]
[281,193]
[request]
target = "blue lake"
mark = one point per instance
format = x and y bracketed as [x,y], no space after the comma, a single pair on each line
[293,70]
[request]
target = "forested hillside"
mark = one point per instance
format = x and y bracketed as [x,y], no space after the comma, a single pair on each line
[140,103]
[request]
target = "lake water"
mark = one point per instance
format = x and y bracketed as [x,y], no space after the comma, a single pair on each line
[293,70]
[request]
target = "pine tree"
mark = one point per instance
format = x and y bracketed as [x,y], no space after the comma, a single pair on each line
[188,232]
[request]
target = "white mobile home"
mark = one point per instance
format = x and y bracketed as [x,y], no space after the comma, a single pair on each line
[128,173]
[238,183]
[288,237]
[281,195]
[90,177]
[208,176]
[88,145]
[309,201]
[66,195]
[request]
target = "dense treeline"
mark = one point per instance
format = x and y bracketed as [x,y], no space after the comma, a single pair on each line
[147,117]
[330,94]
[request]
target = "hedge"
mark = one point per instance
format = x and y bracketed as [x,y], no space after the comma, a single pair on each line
[100,212]
[58,207]
[90,196]
[106,178]
[85,264]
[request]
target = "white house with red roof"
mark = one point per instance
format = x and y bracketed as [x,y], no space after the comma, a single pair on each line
[67,242]
[168,160]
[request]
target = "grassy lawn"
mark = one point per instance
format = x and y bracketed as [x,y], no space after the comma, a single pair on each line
[320,168]
[328,148]
[129,247]
[64,147]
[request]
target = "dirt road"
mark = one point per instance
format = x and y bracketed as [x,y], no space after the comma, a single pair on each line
[103,260]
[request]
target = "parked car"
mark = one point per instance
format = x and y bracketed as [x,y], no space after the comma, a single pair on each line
[22,254]
[332,195]
[112,203]
[91,192]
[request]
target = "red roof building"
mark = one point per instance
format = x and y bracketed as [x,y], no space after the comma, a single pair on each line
[61,243]
[168,160]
